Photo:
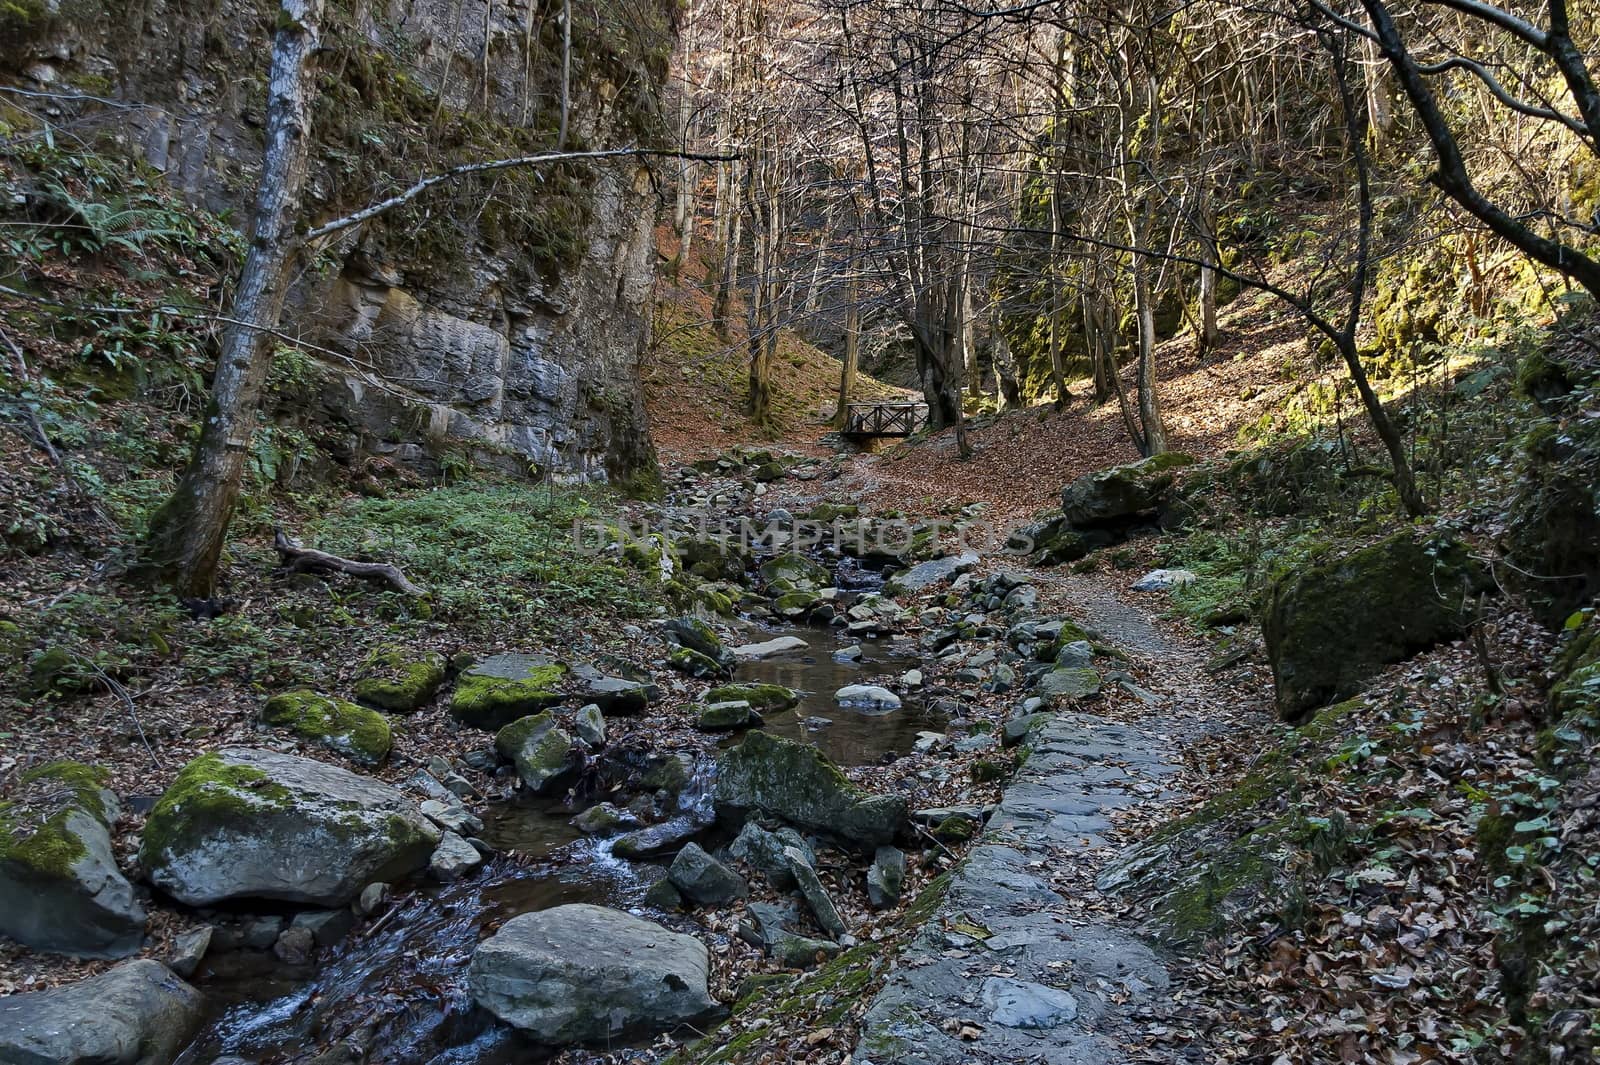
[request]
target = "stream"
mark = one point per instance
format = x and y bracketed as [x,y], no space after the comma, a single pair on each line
[394,990]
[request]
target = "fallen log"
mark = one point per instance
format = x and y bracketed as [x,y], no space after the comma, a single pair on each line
[297,559]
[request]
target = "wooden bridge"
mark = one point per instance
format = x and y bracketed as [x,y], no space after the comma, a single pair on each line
[864,421]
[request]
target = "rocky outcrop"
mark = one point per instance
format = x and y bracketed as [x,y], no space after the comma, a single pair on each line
[1101,509]
[587,974]
[245,823]
[138,1013]
[60,888]
[795,782]
[1330,627]
[505,315]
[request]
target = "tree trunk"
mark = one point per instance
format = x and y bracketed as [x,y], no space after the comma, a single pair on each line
[188,531]
[1210,334]
[852,346]
[1155,434]
[1005,371]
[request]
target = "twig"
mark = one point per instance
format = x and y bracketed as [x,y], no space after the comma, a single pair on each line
[116,688]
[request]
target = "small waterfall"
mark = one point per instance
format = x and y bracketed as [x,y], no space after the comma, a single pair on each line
[695,799]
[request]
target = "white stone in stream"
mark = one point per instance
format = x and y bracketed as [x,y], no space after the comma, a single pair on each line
[453,858]
[781,645]
[588,974]
[1164,580]
[911,678]
[868,697]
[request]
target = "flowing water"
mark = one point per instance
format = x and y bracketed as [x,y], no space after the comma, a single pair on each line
[394,991]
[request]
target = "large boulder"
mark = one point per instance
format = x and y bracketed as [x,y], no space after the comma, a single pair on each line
[795,782]
[502,688]
[244,823]
[544,754]
[138,1013]
[588,974]
[1122,495]
[359,734]
[1329,628]
[60,889]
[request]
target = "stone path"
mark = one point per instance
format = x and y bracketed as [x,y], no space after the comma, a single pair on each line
[1008,970]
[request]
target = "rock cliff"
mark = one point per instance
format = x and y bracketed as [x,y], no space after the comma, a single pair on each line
[505,314]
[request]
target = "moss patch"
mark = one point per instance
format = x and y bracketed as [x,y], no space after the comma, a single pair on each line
[497,692]
[209,790]
[396,680]
[759,696]
[360,734]
[35,832]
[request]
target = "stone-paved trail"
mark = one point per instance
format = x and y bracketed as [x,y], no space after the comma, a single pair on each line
[1009,969]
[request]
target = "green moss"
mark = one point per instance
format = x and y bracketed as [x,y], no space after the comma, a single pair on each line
[354,731]
[692,663]
[50,847]
[491,701]
[85,782]
[956,829]
[208,790]
[397,681]
[759,696]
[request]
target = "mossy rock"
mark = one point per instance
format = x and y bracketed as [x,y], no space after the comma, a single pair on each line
[726,716]
[692,663]
[1330,628]
[956,829]
[1069,683]
[60,888]
[770,472]
[797,783]
[359,734]
[243,823]
[697,636]
[795,604]
[1122,494]
[503,688]
[759,696]
[1553,534]
[797,571]
[398,680]
[831,512]
[545,756]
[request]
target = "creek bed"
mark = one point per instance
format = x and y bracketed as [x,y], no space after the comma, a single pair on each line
[396,988]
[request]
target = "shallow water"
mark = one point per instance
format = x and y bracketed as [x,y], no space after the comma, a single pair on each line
[852,736]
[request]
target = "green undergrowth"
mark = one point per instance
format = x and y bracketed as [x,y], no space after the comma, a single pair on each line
[492,554]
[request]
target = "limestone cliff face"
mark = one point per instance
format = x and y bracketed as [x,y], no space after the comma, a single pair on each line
[505,315]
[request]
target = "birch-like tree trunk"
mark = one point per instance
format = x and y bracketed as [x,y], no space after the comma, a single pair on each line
[852,344]
[188,532]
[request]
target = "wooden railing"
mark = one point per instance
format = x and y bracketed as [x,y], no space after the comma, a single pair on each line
[884,419]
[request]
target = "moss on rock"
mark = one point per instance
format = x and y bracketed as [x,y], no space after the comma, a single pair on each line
[543,753]
[759,696]
[501,689]
[1329,628]
[397,680]
[356,732]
